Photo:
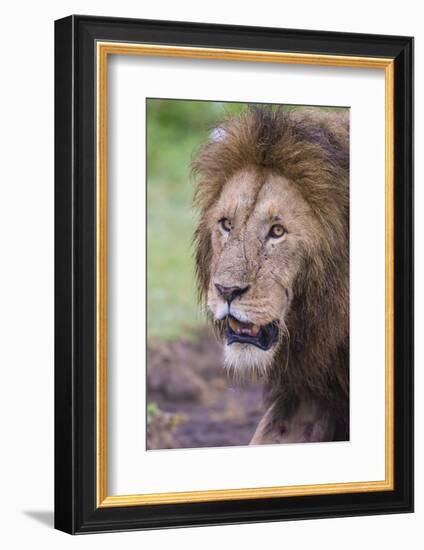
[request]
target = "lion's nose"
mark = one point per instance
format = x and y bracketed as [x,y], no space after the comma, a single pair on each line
[229,293]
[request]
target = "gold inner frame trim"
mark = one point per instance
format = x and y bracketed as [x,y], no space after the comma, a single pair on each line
[103,50]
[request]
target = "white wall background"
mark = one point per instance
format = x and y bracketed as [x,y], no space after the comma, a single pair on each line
[26,272]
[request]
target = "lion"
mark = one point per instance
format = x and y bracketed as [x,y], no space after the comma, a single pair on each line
[272,263]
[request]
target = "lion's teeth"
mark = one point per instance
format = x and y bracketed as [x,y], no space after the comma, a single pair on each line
[234,325]
[243,328]
[254,329]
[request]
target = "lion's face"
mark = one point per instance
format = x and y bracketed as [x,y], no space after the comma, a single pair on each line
[261,232]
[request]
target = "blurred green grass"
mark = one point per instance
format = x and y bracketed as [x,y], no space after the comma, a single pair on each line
[175,130]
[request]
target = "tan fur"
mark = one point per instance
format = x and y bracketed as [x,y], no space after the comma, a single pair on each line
[268,166]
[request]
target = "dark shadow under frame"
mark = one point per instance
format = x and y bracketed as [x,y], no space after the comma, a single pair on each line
[75,273]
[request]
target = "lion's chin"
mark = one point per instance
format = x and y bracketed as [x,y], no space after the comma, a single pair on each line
[248,362]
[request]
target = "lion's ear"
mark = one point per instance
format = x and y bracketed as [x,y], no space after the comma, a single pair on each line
[218,134]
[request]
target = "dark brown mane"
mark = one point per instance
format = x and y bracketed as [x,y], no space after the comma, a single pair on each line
[311,149]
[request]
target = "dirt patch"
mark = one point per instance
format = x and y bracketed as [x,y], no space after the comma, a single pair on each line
[191,400]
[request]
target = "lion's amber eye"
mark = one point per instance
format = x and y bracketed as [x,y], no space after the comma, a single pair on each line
[225,224]
[276,231]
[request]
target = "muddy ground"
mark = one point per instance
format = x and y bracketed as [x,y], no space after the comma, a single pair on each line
[191,400]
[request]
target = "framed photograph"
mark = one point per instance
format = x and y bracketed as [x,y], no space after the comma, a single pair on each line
[234,274]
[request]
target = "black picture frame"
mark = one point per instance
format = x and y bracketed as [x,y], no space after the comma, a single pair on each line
[76,508]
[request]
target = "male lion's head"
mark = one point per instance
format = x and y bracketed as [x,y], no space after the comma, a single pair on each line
[272,236]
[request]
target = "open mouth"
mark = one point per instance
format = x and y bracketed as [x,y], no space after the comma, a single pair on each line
[262,337]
